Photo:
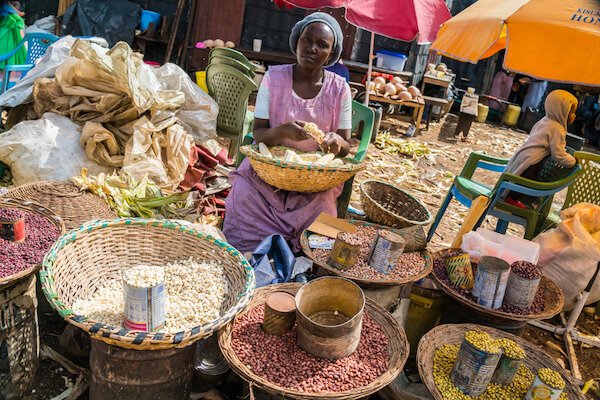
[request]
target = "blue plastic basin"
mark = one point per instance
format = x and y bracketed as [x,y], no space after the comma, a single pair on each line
[148,17]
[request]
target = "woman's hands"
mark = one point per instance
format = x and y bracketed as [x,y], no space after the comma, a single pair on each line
[334,143]
[295,131]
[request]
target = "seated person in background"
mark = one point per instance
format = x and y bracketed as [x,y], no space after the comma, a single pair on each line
[501,89]
[340,69]
[289,96]
[546,139]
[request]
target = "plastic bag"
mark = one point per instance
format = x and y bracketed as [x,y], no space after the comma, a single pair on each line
[570,253]
[276,248]
[47,149]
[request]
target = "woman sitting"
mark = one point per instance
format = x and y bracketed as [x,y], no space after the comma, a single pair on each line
[289,97]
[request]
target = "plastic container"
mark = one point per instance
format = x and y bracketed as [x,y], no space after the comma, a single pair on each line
[201,80]
[511,116]
[391,60]
[424,313]
[482,112]
[149,17]
[512,248]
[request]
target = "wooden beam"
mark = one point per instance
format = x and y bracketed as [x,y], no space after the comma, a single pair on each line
[174,28]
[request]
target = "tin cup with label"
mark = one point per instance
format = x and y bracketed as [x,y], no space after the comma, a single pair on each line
[458,269]
[344,254]
[386,250]
[473,369]
[145,303]
[490,281]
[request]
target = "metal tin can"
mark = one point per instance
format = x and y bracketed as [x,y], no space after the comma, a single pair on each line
[459,270]
[540,391]
[13,229]
[280,313]
[144,307]
[506,370]
[490,281]
[386,250]
[473,369]
[520,291]
[345,252]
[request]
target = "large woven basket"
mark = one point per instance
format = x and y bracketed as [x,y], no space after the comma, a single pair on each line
[398,351]
[66,200]
[453,335]
[296,177]
[364,282]
[30,206]
[387,205]
[555,299]
[84,258]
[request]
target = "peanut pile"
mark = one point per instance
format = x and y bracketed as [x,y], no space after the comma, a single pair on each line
[40,236]
[279,359]
[409,264]
[443,361]
[439,268]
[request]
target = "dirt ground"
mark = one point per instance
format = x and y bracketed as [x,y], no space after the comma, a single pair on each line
[427,178]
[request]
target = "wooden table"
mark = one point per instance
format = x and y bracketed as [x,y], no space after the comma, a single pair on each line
[362,68]
[417,106]
[444,82]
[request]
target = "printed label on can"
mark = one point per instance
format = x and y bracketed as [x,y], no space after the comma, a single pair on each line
[13,231]
[540,391]
[473,369]
[386,251]
[490,285]
[144,307]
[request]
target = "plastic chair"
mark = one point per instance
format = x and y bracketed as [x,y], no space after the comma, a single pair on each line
[217,59]
[231,53]
[363,119]
[37,44]
[230,88]
[553,178]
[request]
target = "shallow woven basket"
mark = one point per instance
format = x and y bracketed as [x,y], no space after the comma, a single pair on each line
[555,299]
[453,334]
[30,206]
[296,177]
[387,205]
[85,258]
[398,350]
[66,200]
[364,282]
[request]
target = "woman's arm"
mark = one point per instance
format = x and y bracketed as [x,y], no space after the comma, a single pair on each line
[337,143]
[274,136]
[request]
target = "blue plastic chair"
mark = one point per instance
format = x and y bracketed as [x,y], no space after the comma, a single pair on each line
[37,44]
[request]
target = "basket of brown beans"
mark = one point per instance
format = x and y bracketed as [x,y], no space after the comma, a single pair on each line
[445,353]
[277,365]
[27,231]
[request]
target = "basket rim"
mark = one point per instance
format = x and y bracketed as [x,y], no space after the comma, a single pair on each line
[136,339]
[545,314]
[425,359]
[250,151]
[365,193]
[35,208]
[387,377]
[364,281]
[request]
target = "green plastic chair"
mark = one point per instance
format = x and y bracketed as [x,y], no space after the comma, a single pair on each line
[363,120]
[233,54]
[217,59]
[230,88]
[552,179]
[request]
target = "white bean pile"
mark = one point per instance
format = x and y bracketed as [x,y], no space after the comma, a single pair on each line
[194,294]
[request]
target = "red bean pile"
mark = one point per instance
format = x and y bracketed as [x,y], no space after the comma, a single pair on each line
[409,264]
[539,302]
[279,360]
[40,236]
[526,270]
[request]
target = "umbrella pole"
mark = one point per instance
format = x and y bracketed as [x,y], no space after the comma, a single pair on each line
[370,69]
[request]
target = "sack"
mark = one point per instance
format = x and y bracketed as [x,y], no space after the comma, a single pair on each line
[570,253]
[468,104]
[47,149]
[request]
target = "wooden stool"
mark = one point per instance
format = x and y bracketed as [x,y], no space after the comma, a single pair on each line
[429,103]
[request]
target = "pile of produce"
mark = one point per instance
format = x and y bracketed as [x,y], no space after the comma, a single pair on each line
[323,160]
[446,356]
[19,256]
[194,294]
[392,145]
[394,88]
[439,269]
[280,360]
[409,264]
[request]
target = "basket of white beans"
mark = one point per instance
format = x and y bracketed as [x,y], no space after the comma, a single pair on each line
[206,281]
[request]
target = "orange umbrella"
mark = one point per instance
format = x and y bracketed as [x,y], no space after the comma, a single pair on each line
[555,40]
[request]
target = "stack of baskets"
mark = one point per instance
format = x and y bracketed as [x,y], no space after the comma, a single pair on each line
[298,177]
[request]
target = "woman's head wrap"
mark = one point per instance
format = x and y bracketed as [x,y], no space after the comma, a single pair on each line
[328,20]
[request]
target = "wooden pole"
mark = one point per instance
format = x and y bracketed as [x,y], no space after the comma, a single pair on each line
[174,28]
[186,43]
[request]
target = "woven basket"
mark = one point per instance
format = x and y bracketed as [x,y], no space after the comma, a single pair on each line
[84,258]
[66,200]
[30,206]
[555,300]
[398,350]
[387,205]
[364,282]
[296,177]
[453,334]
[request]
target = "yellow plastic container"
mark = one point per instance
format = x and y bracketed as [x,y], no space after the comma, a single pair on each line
[201,80]
[511,116]
[482,112]
[424,313]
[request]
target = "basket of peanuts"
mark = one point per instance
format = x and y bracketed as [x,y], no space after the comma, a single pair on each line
[466,361]
[297,171]
[145,284]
